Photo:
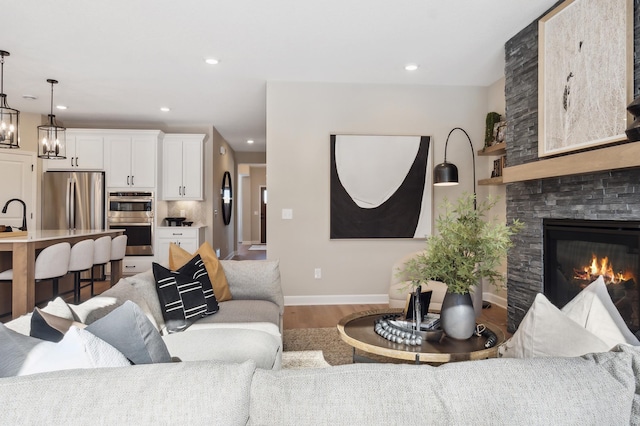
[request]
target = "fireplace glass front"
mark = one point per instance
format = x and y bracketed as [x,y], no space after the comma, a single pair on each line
[576,252]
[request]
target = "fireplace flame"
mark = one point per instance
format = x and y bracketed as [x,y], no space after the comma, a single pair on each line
[602,267]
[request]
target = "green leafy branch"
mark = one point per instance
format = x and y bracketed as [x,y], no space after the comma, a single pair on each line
[466,247]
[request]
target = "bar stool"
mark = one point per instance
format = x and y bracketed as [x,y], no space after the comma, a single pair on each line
[118,248]
[81,260]
[51,264]
[101,255]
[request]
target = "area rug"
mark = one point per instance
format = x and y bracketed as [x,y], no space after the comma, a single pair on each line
[334,349]
[294,360]
[327,340]
[258,247]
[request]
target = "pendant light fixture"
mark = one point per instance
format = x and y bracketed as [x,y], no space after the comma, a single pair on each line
[8,116]
[52,137]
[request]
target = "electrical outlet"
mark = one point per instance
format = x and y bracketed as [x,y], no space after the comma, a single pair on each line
[317,273]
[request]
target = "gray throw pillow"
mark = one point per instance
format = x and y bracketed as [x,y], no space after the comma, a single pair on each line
[14,348]
[128,329]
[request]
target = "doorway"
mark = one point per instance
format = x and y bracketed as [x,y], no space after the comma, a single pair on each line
[263,214]
[251,211]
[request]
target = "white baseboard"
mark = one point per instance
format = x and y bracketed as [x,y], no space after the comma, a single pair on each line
[365,299]
[343,299]
[494,299]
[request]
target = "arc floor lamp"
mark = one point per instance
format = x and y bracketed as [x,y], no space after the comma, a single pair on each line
[446,174]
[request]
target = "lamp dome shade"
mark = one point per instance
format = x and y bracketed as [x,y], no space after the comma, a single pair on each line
[445,174]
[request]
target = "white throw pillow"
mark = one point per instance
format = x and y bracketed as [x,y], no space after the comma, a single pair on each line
[546,331]
[78,349]
[594,310]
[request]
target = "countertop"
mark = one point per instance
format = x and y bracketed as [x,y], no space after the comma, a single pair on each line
[182,227]
[55,234]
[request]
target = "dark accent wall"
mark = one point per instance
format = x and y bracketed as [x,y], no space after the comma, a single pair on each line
[613,195]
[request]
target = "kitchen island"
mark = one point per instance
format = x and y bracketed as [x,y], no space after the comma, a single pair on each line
[23,250]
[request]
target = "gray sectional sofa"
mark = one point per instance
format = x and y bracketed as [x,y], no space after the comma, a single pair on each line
[598,389]
[229,375]
[248,327]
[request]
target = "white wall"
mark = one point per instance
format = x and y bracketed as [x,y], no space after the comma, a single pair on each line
[495,103]
[300,118]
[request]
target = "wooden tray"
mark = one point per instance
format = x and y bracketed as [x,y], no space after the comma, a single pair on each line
[14,234]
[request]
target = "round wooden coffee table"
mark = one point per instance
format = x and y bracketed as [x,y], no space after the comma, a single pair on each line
[357,330]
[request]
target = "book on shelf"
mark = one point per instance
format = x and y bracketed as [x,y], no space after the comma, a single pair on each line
[498,165]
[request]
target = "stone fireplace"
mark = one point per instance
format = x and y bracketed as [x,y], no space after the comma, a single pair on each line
[602,196]
[577,252]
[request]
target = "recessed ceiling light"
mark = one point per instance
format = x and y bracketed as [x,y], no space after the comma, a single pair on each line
[411,67]
[61,106]
[212,61]
[250,141]
[165,109]
[30,97]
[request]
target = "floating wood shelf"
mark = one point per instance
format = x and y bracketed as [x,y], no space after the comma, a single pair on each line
[491,181]
[611,158]
[497,149]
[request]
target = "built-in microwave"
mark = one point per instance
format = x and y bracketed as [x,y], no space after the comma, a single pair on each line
[132,212]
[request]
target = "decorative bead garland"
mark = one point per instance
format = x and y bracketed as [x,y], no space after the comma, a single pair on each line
[387,330]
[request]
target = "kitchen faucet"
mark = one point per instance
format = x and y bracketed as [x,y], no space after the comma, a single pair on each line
[24,212]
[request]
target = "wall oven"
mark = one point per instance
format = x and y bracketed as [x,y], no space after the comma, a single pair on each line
[133,213]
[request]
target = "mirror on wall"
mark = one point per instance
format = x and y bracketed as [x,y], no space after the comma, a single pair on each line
[227,198]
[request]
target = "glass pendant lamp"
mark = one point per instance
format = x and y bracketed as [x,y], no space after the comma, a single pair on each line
[52,136]
[8,116]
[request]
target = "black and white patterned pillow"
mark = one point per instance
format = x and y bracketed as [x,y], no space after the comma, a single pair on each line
[196,269]
[182,294]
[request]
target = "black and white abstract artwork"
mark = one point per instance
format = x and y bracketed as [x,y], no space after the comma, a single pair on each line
[381,186]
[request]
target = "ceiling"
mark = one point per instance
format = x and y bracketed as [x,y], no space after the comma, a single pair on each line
[119,61]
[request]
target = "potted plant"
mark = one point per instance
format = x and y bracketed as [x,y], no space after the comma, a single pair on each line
[465,249]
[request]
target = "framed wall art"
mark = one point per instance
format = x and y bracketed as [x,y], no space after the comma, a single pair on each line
[381,186]
[585,74]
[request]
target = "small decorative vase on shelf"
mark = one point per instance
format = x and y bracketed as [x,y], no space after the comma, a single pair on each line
[458,316]
[633,131]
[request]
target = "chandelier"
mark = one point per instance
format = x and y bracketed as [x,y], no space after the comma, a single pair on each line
[8,116]
[51,135]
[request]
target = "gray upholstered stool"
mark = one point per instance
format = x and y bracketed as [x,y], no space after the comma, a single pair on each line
[51,264]
[81,260]
[101,255]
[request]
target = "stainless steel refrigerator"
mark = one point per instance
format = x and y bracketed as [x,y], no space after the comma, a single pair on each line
[73,200]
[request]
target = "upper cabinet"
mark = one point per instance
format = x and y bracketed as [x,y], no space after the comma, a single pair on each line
[131,158]
[182,174]
[85,151]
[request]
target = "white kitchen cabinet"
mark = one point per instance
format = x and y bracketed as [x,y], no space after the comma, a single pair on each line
[132,265]
[131,158]
[17,171]
[85,151]
[187,237]
[182,171]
